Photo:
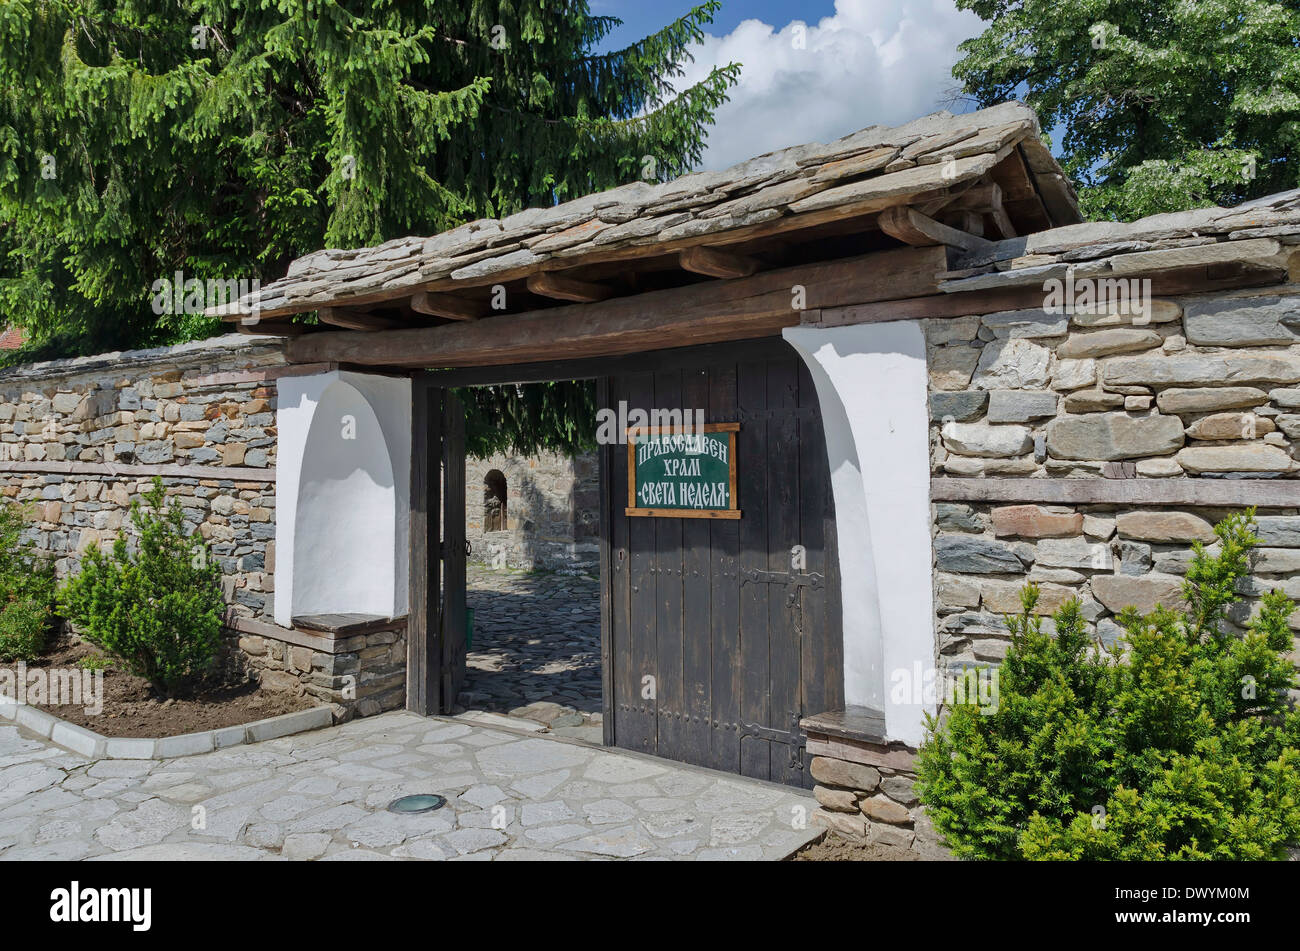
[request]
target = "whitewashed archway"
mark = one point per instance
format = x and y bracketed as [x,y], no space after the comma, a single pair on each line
[342,495]
[872,386]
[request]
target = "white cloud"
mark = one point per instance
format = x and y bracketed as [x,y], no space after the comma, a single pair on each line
[874,61]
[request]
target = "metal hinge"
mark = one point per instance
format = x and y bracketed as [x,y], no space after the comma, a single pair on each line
[793,738]
[799,580]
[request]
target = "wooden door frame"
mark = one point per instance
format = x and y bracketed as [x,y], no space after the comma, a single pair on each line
[425,677]
[423,644]
[424,659]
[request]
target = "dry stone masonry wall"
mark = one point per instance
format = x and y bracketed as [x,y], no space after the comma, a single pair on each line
[1196,388]
[1201,387]
[1107,556]
[81,439]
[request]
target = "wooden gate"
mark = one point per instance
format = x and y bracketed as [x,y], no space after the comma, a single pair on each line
[721,634]
[436,636]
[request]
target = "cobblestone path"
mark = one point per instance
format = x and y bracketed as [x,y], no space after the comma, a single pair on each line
[536,649]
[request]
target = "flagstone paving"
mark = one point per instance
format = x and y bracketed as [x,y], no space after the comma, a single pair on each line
[322,795]
[536,650]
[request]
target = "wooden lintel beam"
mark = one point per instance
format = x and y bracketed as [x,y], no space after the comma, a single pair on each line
[446,306]
[715,263]
[711,312]
[356,320]
[912,227]
[560,287]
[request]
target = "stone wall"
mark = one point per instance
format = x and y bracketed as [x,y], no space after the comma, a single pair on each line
[1107,556]
[1190,391]
[866,790]
[1202,386]
[1197,388]
[361,672]
[81,439]
[552,511]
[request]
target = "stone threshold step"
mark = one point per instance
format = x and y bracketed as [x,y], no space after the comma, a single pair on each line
[95,746]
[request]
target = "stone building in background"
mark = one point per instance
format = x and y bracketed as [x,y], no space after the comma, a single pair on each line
[533,512]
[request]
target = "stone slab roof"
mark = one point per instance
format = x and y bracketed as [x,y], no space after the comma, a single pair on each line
[1255,233]
[862,173]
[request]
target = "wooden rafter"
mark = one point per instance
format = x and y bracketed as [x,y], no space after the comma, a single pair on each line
[357,320]
[270,328]
[912,227]
[560,287]
[716,263]
[446,306]
[986,199]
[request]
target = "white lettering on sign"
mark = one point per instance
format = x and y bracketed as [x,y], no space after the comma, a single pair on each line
[690,444]
[693,495]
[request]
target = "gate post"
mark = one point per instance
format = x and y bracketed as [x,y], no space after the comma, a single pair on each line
[423,649]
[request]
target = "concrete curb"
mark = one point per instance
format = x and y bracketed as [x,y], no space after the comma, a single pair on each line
[93,745]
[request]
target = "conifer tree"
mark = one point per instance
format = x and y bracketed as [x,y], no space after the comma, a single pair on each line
[224,139]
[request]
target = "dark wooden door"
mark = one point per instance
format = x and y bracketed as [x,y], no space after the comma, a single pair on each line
[436,635]
[722,634]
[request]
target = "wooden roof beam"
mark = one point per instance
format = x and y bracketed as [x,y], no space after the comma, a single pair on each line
[912,227]
[446,306]
[715,263]
[559,287]
[357,320]
[710,312]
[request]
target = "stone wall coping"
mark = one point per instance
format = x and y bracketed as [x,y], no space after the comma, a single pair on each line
[196,352]
[96,746]
[348,625]
[323,643]
[895,756]
[853,722]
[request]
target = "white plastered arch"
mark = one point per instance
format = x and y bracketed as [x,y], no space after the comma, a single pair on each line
[342,495]
[872,385]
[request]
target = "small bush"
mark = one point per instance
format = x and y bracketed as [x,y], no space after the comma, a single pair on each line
[158,608]
[1183,749]
[26,591]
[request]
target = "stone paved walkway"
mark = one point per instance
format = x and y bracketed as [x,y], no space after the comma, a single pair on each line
[322,795]
[536,650]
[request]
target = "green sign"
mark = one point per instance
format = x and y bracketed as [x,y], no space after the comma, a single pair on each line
[683,473]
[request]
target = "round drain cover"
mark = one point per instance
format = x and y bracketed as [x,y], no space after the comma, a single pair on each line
[424,802]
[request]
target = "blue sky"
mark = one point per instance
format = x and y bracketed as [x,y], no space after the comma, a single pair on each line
[641,18]
[813,70]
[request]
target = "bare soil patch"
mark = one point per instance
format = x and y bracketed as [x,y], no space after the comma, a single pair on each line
[836,848]
[133,708]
